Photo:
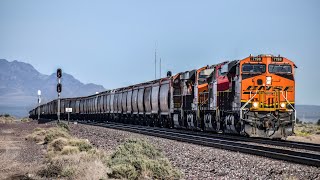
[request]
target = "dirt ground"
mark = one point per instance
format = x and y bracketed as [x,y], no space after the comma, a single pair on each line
[309,133]
[19,158]
[309,139]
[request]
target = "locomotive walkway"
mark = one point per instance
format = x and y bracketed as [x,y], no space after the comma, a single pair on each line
[232,143]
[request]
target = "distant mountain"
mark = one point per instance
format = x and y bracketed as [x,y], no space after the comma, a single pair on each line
[20,81]
[308,113]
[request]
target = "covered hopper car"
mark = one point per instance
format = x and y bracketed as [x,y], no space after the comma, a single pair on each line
[252,97]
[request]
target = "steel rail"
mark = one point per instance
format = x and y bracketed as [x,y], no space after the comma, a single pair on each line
[274,153]
[281,143]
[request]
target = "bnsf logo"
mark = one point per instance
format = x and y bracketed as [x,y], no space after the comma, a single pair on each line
[269,88]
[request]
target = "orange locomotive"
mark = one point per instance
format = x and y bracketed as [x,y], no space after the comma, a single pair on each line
[252,97]
[267,96]
[259,101]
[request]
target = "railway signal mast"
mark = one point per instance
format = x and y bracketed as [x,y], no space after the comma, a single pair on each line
[39,101]
[59,89]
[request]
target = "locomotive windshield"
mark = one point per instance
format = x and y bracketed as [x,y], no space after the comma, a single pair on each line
[279,68]
[253,68]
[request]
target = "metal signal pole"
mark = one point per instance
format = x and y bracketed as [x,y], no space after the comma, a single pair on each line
[58,107]
[59,89]
[39,101]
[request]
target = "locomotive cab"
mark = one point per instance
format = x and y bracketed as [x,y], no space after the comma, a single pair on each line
[267,96]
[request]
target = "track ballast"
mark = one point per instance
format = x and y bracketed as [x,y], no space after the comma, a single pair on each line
[232,143]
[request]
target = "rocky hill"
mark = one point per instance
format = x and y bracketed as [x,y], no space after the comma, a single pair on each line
[19,83]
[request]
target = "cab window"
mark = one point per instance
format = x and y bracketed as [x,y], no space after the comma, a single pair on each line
[280,68]
[253,68]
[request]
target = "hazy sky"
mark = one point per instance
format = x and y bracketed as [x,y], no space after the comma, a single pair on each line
[112,42]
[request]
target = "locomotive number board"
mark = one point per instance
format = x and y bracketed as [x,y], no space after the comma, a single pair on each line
[256,59]
[277,59]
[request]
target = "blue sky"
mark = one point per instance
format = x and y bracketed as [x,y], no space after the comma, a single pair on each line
[112,42]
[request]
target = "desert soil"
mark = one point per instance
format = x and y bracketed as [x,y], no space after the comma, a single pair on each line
[200,162]
[315,138]
[19,158]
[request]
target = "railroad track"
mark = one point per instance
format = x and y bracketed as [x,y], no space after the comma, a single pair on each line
[231,143]
[280,143]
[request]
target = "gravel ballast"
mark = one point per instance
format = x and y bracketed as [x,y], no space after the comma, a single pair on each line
[199,162]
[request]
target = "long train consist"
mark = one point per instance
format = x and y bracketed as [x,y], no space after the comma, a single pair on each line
[252,97]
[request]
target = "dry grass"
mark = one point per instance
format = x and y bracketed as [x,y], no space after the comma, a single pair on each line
[73,158]
[68,157]
[6,119]
[66,150]
[306,130]
[138,159]
[63,125]
[65,146]
[309,133]
[82,165]
[26,119]
[45,136]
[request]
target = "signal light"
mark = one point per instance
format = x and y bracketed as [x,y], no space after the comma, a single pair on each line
[59,73]
[59,88]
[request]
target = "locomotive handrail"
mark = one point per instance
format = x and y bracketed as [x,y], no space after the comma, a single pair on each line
[241,109]
[295,112]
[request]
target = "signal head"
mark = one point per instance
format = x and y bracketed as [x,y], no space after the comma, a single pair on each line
[59,88]
[59,73]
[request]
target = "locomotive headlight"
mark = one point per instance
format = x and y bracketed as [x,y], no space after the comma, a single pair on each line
[255,104]
[283,105]
[268,80]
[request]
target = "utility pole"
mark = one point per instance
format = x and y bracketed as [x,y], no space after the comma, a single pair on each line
[155,61]
[39,101]
[160,68]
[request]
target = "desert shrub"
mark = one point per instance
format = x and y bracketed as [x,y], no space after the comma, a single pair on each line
[65,146]
[82,144]
[46,136]
[54,133]
[37,129]
[6,119]
[66,150]
[38,135]
[72,158]
[136,159]
[58,144]
[298,121]
[75,166]
[63,125]
[25,120]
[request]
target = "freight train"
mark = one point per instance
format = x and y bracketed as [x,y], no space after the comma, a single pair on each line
[252,97]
